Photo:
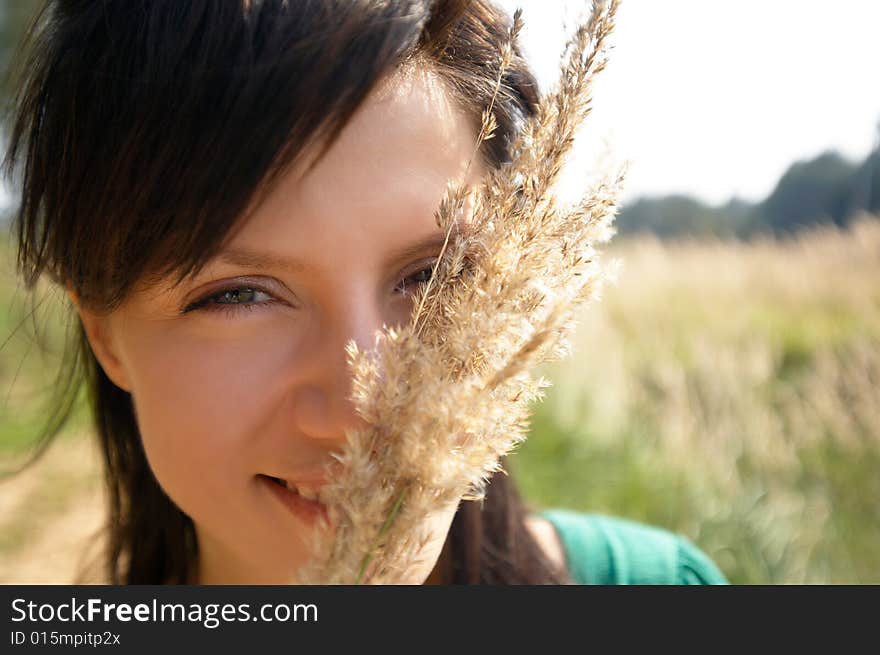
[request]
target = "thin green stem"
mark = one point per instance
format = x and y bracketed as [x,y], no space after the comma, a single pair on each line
[385,527]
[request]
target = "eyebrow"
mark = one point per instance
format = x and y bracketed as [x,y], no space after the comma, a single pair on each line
[254,259]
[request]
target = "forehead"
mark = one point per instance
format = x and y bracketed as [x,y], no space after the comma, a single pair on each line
[415,108]
[386,173]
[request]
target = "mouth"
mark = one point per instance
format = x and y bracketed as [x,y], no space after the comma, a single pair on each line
[305,502]
[307,492]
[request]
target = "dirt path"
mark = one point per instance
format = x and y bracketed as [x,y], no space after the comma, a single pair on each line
[49,515]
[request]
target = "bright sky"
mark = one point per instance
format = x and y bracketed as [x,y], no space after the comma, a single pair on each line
[718,98]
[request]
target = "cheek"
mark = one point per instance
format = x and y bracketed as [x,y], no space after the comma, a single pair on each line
[202,406]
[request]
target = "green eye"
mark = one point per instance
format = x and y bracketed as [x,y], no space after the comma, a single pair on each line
[236,296]
[232,299]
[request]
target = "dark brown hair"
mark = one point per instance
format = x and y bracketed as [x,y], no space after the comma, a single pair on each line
[142,133]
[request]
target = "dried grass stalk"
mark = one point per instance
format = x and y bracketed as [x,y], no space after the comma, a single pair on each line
[448,395]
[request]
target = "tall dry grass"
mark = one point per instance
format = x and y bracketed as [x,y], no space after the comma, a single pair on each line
[745,377]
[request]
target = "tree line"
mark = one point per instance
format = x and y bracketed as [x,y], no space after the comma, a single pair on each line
[825,189]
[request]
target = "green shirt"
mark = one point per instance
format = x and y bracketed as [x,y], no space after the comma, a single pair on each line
[601,550]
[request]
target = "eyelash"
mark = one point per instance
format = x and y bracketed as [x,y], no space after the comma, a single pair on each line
[207,304]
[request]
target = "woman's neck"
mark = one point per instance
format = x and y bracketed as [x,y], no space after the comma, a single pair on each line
[441,574]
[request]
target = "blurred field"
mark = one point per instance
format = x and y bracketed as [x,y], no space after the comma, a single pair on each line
[728,391]
[731,392]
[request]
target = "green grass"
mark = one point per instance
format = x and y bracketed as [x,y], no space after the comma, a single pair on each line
[33,336]
[754,543]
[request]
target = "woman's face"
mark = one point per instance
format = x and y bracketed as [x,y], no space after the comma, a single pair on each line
[241,372]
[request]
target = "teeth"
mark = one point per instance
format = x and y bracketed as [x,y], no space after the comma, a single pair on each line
[308,494]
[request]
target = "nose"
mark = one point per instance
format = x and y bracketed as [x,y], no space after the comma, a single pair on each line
[323,409]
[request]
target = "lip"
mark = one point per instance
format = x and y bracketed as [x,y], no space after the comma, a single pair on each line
[308,511]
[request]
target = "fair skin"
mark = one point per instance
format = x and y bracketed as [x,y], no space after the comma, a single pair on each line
[228,386]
